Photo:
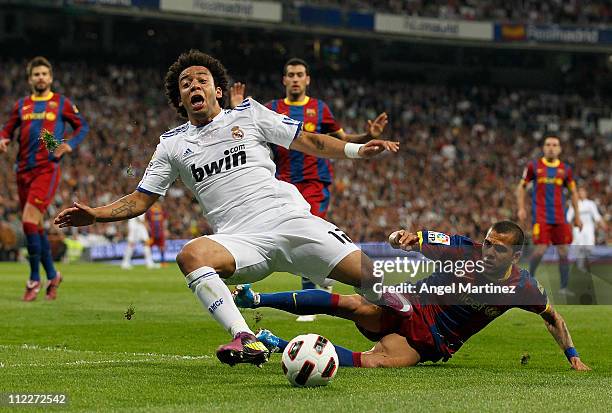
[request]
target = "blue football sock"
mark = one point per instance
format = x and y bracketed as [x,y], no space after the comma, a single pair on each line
[45,256]
[307,284]
[564,272]
[33,241]
[533,264]
[302,302]
[347,357]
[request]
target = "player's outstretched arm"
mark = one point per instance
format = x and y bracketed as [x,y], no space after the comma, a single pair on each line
[325,146]
[405,240]
[129,206]
[374,130]
[558,329]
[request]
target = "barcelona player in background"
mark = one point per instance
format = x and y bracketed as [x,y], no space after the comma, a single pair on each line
[38,171]
[156,221]
[550,176]
[311,175]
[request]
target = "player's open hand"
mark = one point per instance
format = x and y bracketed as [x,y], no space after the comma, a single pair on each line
[4,145]
[377,126]
[403,239]
[376,146]
[78,215]
[578,365]
[237,94]
[61,150]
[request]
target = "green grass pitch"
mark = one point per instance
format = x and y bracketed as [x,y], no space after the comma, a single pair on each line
[163,358]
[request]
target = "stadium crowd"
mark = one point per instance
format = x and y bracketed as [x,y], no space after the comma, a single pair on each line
[517,11]
[463,149]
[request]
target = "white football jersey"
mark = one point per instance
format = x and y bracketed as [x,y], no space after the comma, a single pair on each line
[589,215]
[134,224]
[227,166]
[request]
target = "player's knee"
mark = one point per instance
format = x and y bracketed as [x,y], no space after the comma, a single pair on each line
[350,303]
[200,253]
[190,258]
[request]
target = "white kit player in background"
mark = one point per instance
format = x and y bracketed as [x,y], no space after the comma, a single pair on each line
[584,239]
[137,232]
[262,225]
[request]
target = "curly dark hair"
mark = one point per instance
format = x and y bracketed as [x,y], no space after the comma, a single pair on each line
[194,58]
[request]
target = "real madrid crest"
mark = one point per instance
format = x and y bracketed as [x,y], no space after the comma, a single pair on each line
[237,133]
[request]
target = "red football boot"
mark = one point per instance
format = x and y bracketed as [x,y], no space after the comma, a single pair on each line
[32,289]
[52,287]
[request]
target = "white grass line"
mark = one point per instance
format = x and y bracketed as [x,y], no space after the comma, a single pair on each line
[67,350]
[81,363]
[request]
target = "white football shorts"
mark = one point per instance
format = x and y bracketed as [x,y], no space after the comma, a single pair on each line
[299,244]
[137,233]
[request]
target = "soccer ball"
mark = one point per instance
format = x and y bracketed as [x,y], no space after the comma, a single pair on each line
[310,360]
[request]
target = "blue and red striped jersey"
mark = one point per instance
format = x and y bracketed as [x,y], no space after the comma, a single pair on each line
[32,115]
[156,217]
[548,198]
[457,315]
[293,166]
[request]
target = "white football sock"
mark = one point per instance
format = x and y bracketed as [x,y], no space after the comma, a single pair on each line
[148,256]
[217,299]
[127,254]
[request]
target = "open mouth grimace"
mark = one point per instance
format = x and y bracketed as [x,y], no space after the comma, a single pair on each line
[197,102]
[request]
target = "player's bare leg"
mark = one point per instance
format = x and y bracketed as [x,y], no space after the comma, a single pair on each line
[391,351]
[31,217]
[536,257]
[356,308]
[204,262]
[356,269]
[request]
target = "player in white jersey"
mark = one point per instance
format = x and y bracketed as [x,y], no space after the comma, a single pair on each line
[584,239]
[137,232]
[261,224]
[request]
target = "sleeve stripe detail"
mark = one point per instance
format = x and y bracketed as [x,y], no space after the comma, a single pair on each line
[174,131]
[288,119]
[144,191]
[298,130]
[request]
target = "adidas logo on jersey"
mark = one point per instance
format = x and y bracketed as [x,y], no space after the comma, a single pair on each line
[187,152]
[234,157]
